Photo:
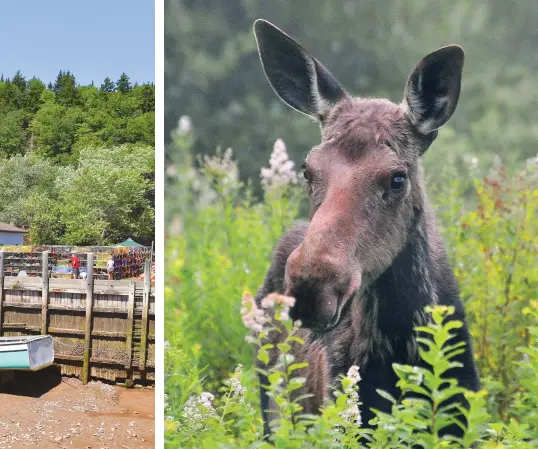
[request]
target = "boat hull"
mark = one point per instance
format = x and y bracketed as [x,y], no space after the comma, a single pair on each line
[26,353]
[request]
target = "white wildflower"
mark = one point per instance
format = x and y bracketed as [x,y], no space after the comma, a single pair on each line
[250,339]
[222,167]
[234,383]
[352,413]
[196,410]
[184,125]
[474,163]
[353,374]
[280,172]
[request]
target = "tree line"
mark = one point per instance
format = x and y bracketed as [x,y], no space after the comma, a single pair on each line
[58,120]
[77,162]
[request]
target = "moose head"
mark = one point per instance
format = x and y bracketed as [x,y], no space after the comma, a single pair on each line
[364,179]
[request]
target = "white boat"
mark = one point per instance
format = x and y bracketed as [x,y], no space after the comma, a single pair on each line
[27,353]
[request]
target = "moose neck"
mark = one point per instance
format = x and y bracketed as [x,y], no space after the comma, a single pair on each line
[404,289]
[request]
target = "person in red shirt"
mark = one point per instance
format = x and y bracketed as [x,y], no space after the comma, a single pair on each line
[75,263]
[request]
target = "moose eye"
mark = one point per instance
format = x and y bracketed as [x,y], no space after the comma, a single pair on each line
[397,182]
[306,173]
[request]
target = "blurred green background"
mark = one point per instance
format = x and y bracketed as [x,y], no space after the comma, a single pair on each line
[213,73]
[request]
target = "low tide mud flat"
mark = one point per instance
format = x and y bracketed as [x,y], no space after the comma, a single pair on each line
[42,409]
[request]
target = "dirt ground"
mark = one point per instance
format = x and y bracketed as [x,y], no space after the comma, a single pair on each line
[43,410]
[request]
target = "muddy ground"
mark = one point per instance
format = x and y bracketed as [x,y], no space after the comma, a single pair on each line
[44,410]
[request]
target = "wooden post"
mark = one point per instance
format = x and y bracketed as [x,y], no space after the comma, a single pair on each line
[130,323]
[145,313]
[1,290]
[44,291]
[85,375]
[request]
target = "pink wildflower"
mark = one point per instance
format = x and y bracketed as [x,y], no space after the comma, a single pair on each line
[280,172]
[253,317]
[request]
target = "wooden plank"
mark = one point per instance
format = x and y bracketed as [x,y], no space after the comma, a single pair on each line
[130,325]
[1,289]
[105,334]
[21,326]
[78,358]
[85,374]
[145,310]
[75,309]
[44,291]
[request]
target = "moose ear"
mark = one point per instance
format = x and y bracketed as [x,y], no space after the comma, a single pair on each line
[296,76]
[433,88]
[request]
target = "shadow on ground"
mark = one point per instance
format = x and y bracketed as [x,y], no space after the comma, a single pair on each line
[31,383]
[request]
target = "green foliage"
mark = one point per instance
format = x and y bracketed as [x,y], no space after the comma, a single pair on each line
[116,204]
[229,421]
[106,198]
[492,249]
[12,134]
[217,261]
[57,122]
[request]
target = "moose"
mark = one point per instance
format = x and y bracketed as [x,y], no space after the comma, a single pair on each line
[371,257]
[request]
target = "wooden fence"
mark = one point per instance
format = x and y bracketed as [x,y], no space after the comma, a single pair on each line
[101,329]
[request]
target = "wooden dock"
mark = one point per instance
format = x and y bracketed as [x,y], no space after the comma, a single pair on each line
[101,329]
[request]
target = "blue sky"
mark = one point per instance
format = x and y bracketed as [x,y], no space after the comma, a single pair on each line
[92,39]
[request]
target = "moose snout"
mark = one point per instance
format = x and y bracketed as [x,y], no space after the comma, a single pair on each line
[322,284]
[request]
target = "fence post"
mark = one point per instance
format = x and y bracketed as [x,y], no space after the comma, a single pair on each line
[44,291]
[1,290]
[85,375]
[145,313]
[130,323]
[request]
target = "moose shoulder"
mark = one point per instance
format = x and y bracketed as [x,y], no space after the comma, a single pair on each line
[371,257]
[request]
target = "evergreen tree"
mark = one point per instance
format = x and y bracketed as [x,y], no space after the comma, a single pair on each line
[123,85]
[66,90]
[19,81]
[49,86]
[58,83]
[107,87]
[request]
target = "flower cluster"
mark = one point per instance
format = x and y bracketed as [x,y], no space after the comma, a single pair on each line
[280,172]
[254,317]
[237,390]
[352,414]
[184,125]
[221,168]
[282,303]
[197,410]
